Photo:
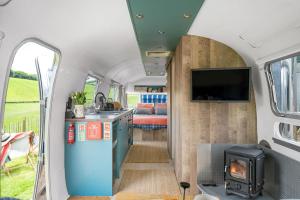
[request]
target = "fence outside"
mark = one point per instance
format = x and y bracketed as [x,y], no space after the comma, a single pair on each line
[27,120]
[26,124]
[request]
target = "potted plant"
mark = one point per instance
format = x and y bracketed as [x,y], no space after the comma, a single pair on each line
[78,99]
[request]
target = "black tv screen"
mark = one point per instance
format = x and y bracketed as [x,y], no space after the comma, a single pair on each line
[215,84]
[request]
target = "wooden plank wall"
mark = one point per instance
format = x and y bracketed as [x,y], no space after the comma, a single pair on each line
[169,102]
[193,122]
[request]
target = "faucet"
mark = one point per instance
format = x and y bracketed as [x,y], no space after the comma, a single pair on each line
[102,101]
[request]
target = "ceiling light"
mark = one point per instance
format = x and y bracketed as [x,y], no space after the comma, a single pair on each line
[139,16]
[186,16]
[161,32]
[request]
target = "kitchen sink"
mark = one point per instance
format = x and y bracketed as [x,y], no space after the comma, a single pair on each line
[114,112]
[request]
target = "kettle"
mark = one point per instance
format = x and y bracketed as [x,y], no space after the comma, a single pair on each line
[109,107]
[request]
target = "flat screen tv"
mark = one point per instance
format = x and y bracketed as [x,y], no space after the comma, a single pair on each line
[216,84]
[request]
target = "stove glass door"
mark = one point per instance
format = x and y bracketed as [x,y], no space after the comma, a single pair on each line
[238,169]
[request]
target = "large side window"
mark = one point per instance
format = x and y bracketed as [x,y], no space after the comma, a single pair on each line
[283,77]
[284,83]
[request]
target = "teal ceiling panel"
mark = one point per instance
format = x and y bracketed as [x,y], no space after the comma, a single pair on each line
[159,25]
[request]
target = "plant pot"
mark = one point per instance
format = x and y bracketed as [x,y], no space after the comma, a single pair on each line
[79,111]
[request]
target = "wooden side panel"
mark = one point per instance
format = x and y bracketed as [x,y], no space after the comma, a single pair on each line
[169,103]
[176,108]
[205,122]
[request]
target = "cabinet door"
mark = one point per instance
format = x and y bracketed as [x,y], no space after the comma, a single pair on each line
[115,125]
[130,129]
[124,137]
[118,148]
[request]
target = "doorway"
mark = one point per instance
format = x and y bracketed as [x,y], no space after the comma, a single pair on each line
[29,86]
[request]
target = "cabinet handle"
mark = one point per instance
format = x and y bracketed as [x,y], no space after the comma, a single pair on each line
[115,143]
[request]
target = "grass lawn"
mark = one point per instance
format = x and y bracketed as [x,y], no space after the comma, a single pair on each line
[21,182]
[15,113]
[132,100]
[22,90]
[89,89]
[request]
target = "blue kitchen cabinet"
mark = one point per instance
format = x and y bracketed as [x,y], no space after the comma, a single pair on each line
[89,167]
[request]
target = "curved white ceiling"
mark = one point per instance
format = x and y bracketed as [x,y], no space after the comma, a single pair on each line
[254,28]
[127,71]
[98,34]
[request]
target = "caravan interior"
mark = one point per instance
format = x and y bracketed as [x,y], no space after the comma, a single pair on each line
[140,99]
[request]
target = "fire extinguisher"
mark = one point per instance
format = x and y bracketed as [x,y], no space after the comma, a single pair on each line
[71,134]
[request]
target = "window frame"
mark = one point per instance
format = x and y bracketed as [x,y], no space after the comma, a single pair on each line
[270,84]
[99,81]
[113,85]
[48,103]
[283,141]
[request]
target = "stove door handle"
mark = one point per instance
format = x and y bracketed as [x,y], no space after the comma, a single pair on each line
[250,171]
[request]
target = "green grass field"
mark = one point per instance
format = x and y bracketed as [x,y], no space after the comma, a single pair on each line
[22,90]
[132,100]
[89,90]
[21,180]
[15,113]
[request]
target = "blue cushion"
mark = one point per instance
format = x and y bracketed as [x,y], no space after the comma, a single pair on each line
[161,111]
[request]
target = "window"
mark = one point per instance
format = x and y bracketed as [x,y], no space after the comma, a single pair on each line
[283,77]
[90,88]
[133,99]
[289,131]
[284,82]
[287,134]
[114,92]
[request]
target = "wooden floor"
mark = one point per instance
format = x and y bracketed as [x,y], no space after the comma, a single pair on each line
[134,196]
[147,174]
[148,152]
[89,198]
[152,181]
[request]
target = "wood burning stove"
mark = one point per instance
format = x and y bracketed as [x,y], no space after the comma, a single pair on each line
[244,171]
